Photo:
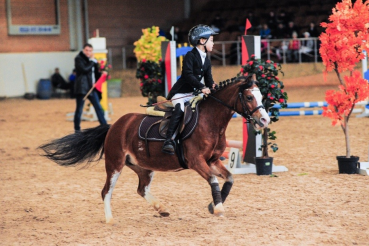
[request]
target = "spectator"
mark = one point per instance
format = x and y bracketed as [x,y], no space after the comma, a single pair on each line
[282,49]
[178,35]
[72,79]
[313,30]
[291,28]
[293,48]
[282,18]
[272,21]
[233,26]
[265,32]
[87,73]
[58,81]
[161,32]
[217,24]
[253,20]
[307,45]
[280,32]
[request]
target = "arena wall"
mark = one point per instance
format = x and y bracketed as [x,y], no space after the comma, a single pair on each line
[36,66]
[120,21]
[33,43]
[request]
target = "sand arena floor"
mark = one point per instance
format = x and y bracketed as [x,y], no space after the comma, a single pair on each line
[311,204]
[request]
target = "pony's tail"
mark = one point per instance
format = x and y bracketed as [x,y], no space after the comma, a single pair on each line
[76,148]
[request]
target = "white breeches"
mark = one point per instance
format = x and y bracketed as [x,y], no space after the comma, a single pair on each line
[186,97]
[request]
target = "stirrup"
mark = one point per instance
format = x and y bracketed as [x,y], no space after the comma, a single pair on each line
[169,147]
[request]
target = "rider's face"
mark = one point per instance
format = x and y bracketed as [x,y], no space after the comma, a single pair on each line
[209,45]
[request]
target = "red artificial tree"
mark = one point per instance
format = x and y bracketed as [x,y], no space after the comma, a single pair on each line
[342,45]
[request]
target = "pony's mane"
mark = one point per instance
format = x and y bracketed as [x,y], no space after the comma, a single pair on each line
[234,80]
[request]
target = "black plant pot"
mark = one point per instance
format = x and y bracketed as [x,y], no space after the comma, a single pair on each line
[348,165]
[264,165]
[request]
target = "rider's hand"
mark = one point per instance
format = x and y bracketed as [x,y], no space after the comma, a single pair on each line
[206,91]
[105,72]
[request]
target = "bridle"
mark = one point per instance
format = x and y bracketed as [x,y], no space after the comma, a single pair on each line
[247,113]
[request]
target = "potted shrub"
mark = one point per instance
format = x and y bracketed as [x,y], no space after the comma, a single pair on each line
[342,45]
[271,89]
[149,71]
[151,80]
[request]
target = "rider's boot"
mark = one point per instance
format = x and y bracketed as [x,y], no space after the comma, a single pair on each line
[176,117]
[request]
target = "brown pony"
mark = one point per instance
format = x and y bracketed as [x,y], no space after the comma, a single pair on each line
[122,146]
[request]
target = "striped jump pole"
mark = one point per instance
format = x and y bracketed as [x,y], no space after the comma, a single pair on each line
[311,112]
[303,105]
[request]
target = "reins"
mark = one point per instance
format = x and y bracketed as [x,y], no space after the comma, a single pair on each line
[170,100]
[246,111]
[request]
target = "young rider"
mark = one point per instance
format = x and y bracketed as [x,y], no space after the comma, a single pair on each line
[196,75]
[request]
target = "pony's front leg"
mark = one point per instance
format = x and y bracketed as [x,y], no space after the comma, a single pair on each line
[220,170]
[216,207]
[217,204]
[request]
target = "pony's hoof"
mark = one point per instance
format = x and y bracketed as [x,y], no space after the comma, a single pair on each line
[211,208]
[164,213]
[219,210]
[110,221]
[221,215]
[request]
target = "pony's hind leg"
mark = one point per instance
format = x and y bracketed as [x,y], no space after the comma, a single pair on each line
[145,178]
[107,192]
[114,163]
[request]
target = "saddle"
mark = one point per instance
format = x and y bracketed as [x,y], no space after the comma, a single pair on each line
[155,125]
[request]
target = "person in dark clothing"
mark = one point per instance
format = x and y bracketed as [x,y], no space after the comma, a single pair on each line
[291,28]
[217,24]
[58,81]
[87,73]
[265,32]
[272,21]
[72,79]
[280,32]
[313,30]
[196,75]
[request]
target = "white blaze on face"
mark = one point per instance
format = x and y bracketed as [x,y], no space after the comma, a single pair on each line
[258,98]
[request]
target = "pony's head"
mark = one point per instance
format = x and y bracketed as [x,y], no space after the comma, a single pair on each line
[249,102]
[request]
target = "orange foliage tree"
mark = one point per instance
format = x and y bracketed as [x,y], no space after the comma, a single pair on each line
[342,45]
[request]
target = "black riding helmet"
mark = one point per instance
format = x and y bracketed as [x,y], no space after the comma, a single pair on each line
[200,31]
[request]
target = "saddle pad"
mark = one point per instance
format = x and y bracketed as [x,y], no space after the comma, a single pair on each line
[153,134]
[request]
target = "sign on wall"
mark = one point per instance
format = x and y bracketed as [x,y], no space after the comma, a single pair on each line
[33,18]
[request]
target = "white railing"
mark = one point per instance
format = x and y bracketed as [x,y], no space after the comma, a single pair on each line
[228,53]
[233,54]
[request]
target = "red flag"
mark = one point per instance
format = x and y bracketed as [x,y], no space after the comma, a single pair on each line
[100,81]
[248,25]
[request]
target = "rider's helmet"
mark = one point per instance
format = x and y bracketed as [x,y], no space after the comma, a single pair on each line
[199,31]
